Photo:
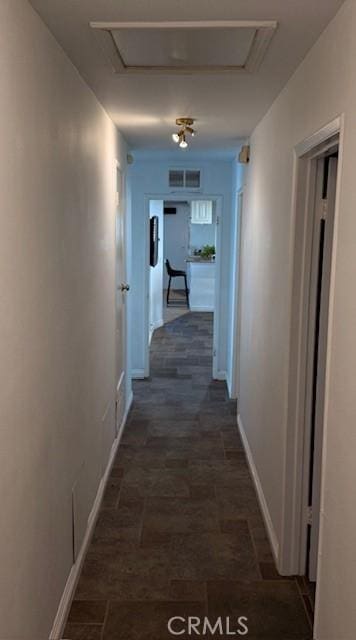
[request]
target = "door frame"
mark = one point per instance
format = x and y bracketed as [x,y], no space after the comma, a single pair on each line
[293,549]
[236,300]
[158,324]
[189,197]
[324,210]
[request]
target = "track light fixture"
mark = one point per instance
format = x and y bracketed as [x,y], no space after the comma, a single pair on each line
[185,125]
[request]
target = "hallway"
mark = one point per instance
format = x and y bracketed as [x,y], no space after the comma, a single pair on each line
[180,531]
[129,499]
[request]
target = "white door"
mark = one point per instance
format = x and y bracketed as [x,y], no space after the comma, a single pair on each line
[319,308]
[121,293]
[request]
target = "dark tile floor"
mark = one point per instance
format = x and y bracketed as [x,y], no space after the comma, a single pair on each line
[180,532]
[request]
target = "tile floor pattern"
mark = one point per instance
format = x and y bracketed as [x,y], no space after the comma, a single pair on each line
[177,305]
[180,532]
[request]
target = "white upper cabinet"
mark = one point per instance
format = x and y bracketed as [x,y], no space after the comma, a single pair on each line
[202,212]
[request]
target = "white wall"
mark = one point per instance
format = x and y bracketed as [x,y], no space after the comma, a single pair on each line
[156,273]
[149,176]
[57,321]
[323,87]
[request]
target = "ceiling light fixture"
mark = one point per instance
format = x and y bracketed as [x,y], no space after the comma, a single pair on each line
[185,125]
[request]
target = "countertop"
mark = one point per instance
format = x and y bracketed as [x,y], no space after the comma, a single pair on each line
[199,259]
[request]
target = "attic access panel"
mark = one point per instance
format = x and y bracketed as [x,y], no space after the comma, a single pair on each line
[185,47]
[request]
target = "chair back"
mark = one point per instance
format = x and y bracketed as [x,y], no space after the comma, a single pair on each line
[169,268]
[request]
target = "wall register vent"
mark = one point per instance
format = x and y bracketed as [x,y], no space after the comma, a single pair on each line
[189,179]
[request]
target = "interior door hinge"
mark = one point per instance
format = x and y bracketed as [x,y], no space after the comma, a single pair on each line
[217,220]
[214,353]
[324,210]
[310,515]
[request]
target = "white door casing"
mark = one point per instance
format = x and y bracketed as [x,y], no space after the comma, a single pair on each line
[292,554]
[156,273]
[218,200]
[236,302]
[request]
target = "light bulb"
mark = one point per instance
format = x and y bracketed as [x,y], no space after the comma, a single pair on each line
[183,143]
[175,137]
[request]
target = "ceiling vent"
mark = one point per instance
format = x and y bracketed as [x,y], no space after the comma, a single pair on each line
[185,47]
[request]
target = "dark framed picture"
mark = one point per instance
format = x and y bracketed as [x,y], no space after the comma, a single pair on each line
[154,224]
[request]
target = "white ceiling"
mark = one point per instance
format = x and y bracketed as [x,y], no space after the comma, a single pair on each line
[226,106]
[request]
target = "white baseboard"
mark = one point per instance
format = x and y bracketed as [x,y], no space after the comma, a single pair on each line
[220,375]
[154,326]
[229,387]
[201,309]
[261,497]
[72,581]
[138,374]
[119,385]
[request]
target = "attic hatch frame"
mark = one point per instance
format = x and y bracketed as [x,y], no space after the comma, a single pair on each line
[265,31]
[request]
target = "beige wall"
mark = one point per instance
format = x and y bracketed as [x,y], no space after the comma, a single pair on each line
[323,87]
[57,277]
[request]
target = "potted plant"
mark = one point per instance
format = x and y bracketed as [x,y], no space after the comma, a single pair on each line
[208,252]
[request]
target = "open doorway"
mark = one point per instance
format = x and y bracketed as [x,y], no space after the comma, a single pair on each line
[317,177]
[184,276]
[190,231]
[324,208]
[322,212]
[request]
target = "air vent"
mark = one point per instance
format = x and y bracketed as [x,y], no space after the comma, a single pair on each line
[176,179]
[185,47]
[192,179]
[185,179]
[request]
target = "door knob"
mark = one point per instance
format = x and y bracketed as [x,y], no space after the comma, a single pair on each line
[124,287]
